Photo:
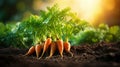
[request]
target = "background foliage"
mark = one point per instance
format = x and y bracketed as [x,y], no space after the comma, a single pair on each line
[55,22]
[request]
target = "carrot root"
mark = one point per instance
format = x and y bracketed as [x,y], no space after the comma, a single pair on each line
[30,51]
[38,49]
[53,48]
[67,47]
[60,47]
[46,45]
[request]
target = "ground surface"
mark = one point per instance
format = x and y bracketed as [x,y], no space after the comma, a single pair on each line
[99,55]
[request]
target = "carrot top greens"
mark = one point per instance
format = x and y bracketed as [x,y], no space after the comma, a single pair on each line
[58,24]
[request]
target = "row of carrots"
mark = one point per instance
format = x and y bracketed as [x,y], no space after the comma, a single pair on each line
[54,45]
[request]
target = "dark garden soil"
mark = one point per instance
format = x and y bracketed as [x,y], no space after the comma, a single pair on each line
[98,55]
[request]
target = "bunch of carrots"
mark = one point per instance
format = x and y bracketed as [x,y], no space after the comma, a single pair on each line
[53,45]
[54,22]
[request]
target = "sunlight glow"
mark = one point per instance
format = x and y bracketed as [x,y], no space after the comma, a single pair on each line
[89,10]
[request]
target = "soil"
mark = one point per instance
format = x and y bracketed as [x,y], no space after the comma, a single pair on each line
[98,55]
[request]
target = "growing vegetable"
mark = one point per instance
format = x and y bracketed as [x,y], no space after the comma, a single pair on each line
[30,51]
[53,48]
[38,49]
[46,45]
[67,47]
[60,46]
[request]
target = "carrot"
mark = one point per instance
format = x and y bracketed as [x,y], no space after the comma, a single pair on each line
[31,50]
[67,47]
[38,49]
[53,48]
[60,46]
[46,45]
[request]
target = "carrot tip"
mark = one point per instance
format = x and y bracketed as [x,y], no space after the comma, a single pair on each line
[39,57]
[61,55]
[71,54]
[24,55]
[48,57]
[42,54]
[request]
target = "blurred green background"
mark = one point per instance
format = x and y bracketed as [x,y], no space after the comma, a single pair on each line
[24,35]
[16,10]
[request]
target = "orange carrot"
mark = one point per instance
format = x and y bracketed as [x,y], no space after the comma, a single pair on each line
[46,45]
[31,50]
[38,49]
[60,46]
[53,48]
[67,47]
